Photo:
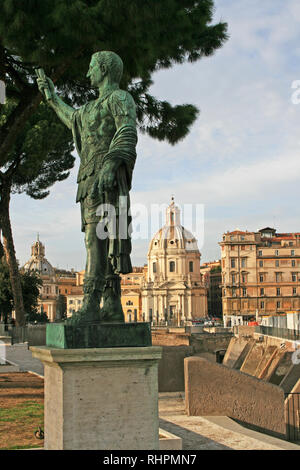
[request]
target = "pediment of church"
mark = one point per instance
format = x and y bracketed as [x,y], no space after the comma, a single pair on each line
[171,285]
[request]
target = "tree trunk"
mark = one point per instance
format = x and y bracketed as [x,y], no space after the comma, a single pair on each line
[10,254]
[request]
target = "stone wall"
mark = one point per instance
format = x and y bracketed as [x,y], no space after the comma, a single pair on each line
[163,338]
[210,342]
[178,346]
[213,389]
[171,368]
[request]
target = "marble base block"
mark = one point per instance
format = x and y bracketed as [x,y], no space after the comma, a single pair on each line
[101,398]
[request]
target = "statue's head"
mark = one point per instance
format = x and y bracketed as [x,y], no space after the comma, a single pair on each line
[105,64]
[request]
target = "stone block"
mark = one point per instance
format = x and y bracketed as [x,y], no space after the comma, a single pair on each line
[212,389]
[252,359]
[291,378]
[100,398]
[168,441]
[237,351]
[269,352]
[98,335]
[282,369]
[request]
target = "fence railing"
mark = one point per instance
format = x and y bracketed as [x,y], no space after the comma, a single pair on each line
[292,410]
[33,334]
[284,333]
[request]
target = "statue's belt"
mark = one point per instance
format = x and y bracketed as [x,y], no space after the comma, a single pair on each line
[87,168]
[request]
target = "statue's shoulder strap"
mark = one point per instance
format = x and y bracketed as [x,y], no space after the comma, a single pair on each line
[121,103]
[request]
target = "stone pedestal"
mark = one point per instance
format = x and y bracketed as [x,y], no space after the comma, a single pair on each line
[101,399]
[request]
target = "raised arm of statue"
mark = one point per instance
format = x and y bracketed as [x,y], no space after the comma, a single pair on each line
[46,87]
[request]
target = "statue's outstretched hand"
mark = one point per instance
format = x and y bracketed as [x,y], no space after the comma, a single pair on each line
[46,87]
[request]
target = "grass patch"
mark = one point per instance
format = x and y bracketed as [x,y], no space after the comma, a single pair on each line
[18,425]
[26,412]
[28,446]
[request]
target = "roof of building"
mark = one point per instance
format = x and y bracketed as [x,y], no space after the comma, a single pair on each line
[173,234]
[38,261]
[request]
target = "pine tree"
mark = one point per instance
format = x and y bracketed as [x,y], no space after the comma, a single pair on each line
[30,284]
[60,36]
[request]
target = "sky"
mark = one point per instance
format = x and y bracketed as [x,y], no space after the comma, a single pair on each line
[239,165]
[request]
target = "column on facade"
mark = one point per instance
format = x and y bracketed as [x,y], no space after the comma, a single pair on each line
[145,307]
[183,305]
[189,315]
[155,307]
[161,308]
[180,306]
[165,306]
[50,312]
[162,266]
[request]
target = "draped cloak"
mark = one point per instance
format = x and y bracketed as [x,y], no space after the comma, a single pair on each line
[95,147]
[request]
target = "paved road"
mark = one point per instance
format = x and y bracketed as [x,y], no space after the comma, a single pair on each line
[21,355]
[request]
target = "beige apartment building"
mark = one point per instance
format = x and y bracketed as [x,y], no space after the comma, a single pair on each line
[130,294]
[260,274]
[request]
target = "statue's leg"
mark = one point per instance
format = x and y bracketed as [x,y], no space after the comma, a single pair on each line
[112,310]
[94,277]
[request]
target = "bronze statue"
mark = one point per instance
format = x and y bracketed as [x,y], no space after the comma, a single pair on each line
[104,132]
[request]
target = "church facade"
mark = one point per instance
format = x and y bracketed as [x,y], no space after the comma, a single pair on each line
[49,291]
[173,290]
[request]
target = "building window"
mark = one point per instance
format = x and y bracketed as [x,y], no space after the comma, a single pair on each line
[293,263]
[129,302]
[278,304]
[71,301]
[191,266]
[278,277]
[262,291]
[154,267]
[244,278]
[244,292]
[276,252]
[278,291]
[294,290]
[294,277]
[262,304]
[261,278]
[233,278]
[233,262]
[232,247]
[292,252]
[242,237]
[260,253]
[261,264]
[277,263]
[244,262]
[172,266]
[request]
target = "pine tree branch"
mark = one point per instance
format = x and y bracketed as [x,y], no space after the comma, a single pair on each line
[24,109]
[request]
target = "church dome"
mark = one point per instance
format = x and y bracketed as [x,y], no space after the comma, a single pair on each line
[173,234]
[38,262]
